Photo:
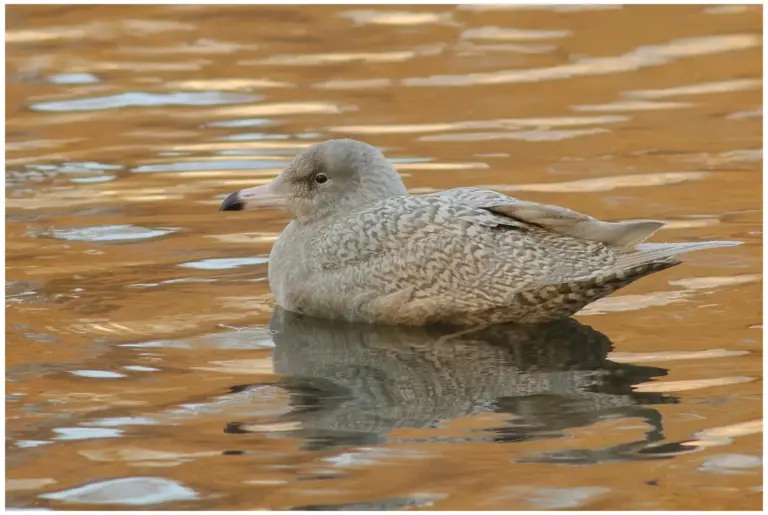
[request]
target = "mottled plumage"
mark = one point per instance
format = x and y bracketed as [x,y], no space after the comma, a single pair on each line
[361,249]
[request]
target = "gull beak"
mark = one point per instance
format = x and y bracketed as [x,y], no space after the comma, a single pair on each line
[259,197]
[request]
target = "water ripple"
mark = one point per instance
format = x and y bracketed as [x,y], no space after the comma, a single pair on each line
[538,7]
[403,18]
[541,135]
[641,57]
[228,84]
[111,233]
[133,491]
[319,59]
[704,88]
[631,105]
[73,78]
[225,263]
[508,34]
[604,183]
[502,123]
[211,165]
[86,433]
[142,99]
[95,30]
[276,109]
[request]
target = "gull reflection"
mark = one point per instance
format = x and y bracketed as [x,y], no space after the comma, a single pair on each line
[354,384]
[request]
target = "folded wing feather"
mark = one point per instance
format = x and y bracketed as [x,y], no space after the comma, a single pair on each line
[572,223]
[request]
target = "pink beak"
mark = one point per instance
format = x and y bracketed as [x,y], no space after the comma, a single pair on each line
[259,197]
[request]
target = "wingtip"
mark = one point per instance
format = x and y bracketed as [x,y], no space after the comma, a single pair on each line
[724,243]
[648,252]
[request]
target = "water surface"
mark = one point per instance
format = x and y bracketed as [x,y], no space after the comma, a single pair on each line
[147,367]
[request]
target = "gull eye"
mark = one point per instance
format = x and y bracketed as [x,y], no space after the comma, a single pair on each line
[321,178]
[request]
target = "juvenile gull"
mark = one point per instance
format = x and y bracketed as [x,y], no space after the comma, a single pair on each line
[360,248]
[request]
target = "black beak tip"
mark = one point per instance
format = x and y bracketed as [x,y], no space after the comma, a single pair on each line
[232,203]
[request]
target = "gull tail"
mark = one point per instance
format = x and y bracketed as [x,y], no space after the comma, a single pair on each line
[662,252]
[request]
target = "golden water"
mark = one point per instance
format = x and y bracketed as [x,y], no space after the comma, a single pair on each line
[139,369]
